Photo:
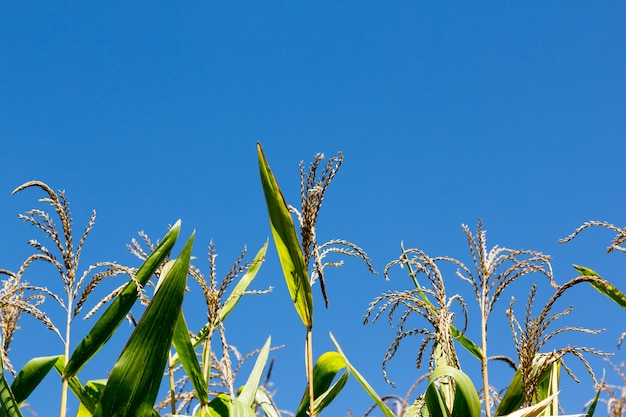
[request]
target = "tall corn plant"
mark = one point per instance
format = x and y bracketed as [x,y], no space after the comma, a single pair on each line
[295,256]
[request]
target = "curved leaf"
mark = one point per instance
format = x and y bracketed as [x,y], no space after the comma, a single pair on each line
[605,288]
[134,382]
[31,375]
[466,401]
[366,386]
[110,320]
[187,355]
[326,368]
[287,244]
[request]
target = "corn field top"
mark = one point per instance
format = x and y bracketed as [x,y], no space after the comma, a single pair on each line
[512,116]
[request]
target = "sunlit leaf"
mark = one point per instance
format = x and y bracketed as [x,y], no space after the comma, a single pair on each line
[134,382]
[326,368]
[366,386]
[247,395]
[605,287]
[31,376]
[466,401]
[10,408]
[287,244]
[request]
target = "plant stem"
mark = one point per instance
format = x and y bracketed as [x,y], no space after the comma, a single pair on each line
[66,352]
[483,362]
[309,369]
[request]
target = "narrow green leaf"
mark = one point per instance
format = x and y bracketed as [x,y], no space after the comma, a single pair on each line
[247,395]
[31,376]
[110,320]
[287,244]
[9,405]
[592,407]
[243,283]
[326,368]
[187,355]
[366,386]
[435,402]
[605,287]
[134,382]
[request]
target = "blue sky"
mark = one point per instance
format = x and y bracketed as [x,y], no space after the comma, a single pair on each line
[445,113]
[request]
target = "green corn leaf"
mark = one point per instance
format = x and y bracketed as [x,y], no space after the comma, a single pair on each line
[231,301]
[324,372]
[287,244]
[465,341]
[187,355]
[110,320]
[10,407]
[466,401]
[243,283]
[247,395]
[366,386]
[31,376]
[592,407]
[134,382]
[435,402]
[239,409]
[94,389]
[605,287]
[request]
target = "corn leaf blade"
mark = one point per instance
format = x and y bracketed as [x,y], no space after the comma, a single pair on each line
[326,368]
[113,316]
[466,401]
[10,407]
[247,395]
[187,355]
[134,382]
[287,244]
[366,386]
[605,287]
[31,376]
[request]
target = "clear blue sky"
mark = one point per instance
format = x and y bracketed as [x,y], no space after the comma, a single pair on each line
[445,112]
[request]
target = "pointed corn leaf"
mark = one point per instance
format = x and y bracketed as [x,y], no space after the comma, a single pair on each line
[135,378]
[110,320]
[243,283]
[187,355]
[218,407]
[287,244]
[231,301]
[31,376]
[466,401]
[366,386]
[247,395]
[325,370]
[10,408]
[605,288]
[592,407]
[94,390]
